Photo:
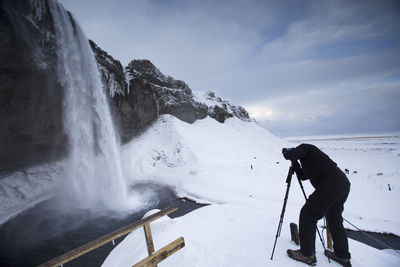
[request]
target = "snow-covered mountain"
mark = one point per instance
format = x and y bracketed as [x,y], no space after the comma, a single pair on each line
[32,96]
[48,81]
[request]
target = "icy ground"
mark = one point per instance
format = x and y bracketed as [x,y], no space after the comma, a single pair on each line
[237,167]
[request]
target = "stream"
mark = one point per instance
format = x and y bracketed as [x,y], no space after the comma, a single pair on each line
[44,232]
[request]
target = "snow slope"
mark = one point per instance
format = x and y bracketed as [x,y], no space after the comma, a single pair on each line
[201,158]
[237,167]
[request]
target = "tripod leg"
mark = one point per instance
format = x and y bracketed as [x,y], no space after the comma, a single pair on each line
[278,232]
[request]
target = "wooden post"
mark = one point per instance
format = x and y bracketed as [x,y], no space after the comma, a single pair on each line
[294,232]
[149,240]
[328,237]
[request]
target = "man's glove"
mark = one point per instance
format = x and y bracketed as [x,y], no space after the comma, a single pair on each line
[296,167]
[285,152]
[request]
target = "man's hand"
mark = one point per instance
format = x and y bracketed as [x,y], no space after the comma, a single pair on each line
[296,165]
[297,169]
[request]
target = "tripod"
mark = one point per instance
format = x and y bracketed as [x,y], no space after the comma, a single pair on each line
[288,181]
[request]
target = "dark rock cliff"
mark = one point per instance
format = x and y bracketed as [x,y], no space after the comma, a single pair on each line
[30,96]
[133,106]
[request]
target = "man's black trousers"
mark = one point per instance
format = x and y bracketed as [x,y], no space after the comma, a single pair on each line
[325,201]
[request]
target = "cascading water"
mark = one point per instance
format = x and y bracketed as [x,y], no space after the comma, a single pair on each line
[93,199]
[93,169]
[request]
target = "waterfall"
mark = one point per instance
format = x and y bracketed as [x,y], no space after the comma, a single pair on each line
[93,169]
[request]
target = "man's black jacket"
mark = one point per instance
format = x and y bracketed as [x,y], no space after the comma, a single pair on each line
[316,166]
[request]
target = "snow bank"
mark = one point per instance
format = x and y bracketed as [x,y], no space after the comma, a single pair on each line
[238,168]
[234,236]
[24,189]
[201,158]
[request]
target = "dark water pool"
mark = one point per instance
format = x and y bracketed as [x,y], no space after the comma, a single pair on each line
[45,232]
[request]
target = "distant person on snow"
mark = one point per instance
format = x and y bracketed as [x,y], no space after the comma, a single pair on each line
[331,190]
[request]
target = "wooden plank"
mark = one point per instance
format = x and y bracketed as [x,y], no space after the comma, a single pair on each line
[294,233]
[75,253]
[149,238]
[162,254]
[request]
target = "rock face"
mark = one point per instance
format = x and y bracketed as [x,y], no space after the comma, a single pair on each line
[133,107]
[31,97]
[170,96]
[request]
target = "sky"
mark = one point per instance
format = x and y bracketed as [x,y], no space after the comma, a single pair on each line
[298,67]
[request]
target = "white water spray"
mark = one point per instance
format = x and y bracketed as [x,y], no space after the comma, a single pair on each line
[93,169]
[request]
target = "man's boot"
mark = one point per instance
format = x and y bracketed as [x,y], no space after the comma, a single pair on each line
[298,256]
[332,255]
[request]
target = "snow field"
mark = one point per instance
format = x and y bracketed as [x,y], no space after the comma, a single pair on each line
[231,235]
[211,163]
[371,205]
[237,167]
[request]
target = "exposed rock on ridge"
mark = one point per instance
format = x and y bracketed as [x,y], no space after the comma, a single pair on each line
[172,96]
[146,92]
[176,98]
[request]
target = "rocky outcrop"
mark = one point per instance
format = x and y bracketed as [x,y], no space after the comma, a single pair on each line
[219,109]
[172,96]
[141,92]
[132,107]
[176,98]
[111,70]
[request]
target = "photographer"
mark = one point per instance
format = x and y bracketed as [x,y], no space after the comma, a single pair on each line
[331,190]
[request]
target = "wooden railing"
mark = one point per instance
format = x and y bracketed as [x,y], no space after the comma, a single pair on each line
[152,260]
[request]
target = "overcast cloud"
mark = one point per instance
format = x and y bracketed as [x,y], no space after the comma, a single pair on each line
[299,67]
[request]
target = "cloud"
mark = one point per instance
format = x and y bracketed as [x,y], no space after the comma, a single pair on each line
[340,23]
[265,55]
[370,110]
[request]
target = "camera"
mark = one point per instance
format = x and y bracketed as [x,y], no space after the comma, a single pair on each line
[284,152]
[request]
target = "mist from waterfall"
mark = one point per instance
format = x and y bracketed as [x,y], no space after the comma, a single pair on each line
[94,176]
